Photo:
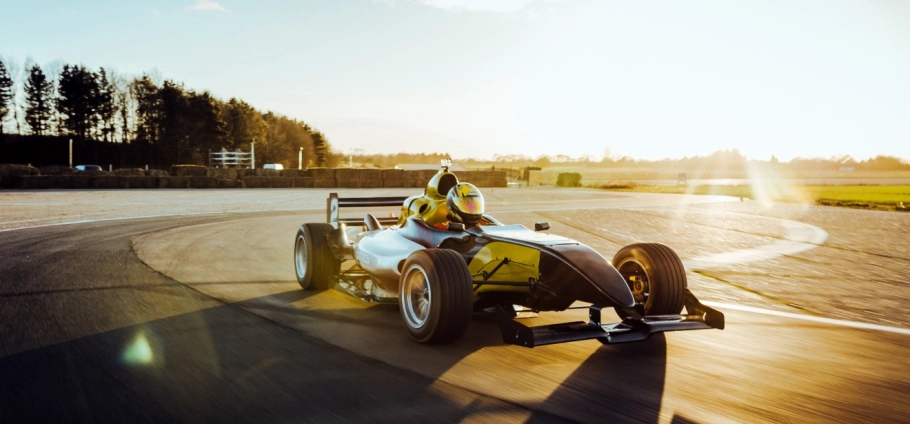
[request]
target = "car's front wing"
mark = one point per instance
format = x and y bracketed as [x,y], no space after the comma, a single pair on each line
[632,329]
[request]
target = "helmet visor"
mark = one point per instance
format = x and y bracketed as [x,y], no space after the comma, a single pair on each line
[471,205]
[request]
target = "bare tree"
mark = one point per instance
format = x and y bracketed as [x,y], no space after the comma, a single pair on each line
[16,74]
[148,107]
[6,94]
[155,77]
[53,69]
[124,105]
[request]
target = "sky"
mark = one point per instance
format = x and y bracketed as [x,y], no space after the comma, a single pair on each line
[478,78]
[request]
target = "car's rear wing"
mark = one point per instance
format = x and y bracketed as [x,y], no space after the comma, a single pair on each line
[335,203]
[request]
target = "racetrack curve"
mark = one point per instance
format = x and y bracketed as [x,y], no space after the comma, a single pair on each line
[198,318]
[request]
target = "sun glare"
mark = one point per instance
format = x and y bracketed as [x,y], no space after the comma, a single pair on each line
[138,352]
[768,187]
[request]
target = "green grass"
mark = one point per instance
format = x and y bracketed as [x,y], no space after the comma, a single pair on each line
[863,193]
[885,197]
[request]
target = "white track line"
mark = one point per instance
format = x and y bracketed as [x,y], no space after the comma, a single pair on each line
[800,237]
[810,318]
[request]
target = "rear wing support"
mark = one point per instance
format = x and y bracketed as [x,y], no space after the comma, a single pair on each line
[335,203]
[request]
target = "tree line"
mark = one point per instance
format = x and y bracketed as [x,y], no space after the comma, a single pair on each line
[394,159]
[722,160]
[731,160]
[176,124]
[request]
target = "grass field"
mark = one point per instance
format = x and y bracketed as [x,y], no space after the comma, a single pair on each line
[885,197]
[601,175]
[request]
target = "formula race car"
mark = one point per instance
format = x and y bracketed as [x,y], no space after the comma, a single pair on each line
[441,273]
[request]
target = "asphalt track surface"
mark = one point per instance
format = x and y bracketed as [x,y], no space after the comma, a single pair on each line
[197,318]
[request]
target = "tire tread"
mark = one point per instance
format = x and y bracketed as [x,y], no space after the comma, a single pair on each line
[449,269]
[325,266]
[668,272]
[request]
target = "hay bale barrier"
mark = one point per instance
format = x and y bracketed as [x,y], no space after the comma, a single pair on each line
[304,182]
[37,182]
[294,173]
[358,178]
[77,181]
[127,172]
[222,173]
[568,179]
[110,182]
[229,183]
[11,174]
[268,172]
[418,178]
[499,179]
[478,178]
[189,171]
[197,176]
[203,182]
[257,182]
[394,178]
[323,177]
[142,182]
[281,182]
[57,170]
[174,182]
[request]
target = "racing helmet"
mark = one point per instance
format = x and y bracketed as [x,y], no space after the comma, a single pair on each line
[465,204]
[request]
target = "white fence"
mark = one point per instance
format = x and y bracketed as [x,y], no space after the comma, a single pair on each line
[227,159]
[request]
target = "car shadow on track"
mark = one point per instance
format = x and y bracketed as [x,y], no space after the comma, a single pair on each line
[618,383]
[226,364]
[372,327]
[223,365]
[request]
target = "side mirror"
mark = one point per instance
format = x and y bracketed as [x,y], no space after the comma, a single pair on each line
[542,226]
[455,226]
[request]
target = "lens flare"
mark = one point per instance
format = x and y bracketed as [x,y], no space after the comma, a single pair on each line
[138,352]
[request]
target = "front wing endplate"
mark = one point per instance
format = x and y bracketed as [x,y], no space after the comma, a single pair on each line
[632,329]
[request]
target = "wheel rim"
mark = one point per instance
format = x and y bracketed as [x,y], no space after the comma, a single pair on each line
[417,297]
[638,280]
[300,258]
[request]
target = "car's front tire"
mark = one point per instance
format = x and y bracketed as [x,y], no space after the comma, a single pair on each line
[436,296]
[316,267]
[655,275]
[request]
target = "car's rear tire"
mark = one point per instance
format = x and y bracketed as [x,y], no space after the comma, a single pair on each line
[316,267]
[656,276]
[436,296]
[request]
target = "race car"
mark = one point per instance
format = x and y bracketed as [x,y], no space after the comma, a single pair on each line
[441,275]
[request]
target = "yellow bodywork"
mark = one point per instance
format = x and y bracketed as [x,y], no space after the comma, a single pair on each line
[523,266]
[431,210]
[429,206]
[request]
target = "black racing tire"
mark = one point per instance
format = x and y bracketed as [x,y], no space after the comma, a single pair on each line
[436,296]
[317,269]
[656,276]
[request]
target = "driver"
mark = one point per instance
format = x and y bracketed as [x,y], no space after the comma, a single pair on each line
[465,205]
